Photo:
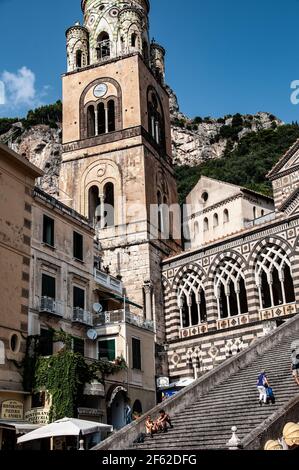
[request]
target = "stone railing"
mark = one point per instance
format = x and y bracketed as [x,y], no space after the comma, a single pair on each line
[261,220]
[124,439]
[110,282]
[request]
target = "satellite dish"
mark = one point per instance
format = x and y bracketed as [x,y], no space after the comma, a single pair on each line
[92,334]
[98,308]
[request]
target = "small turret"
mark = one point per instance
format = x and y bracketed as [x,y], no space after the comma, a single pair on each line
[77,38]
[158,61]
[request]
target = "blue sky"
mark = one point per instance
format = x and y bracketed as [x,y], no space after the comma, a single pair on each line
[223,56]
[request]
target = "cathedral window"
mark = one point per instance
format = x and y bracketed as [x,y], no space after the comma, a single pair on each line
[134,40]
[104,46]
[109,205]
[94,205]
[111,116]
[101,119]
[215,220]
[191,300]
[79,59]
[274,277]
[206,224]
[225,216]
[91,121]
[156,119]
[230,289]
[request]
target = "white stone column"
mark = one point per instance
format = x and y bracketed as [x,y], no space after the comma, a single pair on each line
[106,119]
[148,290]
[96,119]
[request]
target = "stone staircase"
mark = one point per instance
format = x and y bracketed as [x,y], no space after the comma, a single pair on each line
[207,423]
[203,415]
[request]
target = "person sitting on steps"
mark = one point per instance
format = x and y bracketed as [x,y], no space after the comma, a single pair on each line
[163,420]
[150,426]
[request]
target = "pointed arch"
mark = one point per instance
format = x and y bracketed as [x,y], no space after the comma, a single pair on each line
[273,277]
[191,299]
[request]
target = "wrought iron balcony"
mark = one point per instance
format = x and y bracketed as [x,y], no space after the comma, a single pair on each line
[109,282]
[82,316]
[49,305]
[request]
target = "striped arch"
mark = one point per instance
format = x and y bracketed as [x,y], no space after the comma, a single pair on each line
[166,286]
[280,242]
[229,280]
[273,273]
[188,267]
[191,297]
[230,254]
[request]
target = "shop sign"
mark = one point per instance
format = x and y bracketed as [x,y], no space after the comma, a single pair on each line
[90,412]
[38,416]
[12,410]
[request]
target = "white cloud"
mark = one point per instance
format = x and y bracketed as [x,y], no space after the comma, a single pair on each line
[20,88]
[2,93]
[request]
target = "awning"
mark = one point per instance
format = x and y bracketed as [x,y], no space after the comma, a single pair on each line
[65,427]
[20,427]
[121,299]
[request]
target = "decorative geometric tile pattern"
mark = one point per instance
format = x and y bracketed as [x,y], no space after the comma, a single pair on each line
[232,322]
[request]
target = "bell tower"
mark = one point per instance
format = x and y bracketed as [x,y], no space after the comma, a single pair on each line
[117,157]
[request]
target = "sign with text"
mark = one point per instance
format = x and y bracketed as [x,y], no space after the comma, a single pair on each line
[12,410]
[38,416]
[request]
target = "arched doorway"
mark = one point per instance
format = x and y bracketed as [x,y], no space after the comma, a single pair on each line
[116,408]
[137,409]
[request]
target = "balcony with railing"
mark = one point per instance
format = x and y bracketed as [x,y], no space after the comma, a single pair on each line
[82,317]
[123,316]
[51,306]
[107,281]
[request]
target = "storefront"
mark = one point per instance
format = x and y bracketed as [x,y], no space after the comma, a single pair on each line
[13,422]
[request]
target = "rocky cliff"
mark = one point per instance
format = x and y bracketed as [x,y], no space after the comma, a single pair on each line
[200,139]
[194,140]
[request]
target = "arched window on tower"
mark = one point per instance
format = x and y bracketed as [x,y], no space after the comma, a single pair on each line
[79,57]
[101,119]
[156,119]
[192,300]
[104,46]
[109,212]
[94,205]
[134,40]
[230,289]
[111,116]
[274,277]
[91,130]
